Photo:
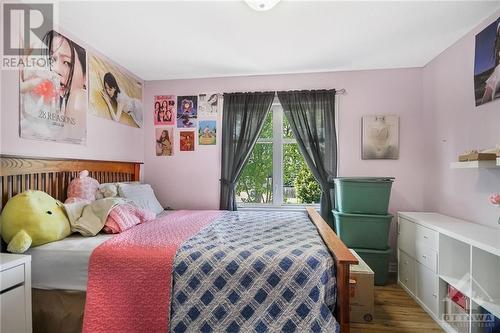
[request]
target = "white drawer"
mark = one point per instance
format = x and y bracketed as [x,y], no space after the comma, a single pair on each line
[406,236]
[427,287]
[426,256]
[406,271]
[12,311]
[11,276]
[427,237]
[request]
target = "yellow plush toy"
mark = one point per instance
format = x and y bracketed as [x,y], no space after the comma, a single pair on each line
[33,218]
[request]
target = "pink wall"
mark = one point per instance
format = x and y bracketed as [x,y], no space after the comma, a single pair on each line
[451,125]
[106,139]
[190,180]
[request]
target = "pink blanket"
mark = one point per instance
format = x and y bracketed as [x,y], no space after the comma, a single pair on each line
[130,275]
[124,217]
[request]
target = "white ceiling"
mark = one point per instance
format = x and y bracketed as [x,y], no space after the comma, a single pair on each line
[187,39]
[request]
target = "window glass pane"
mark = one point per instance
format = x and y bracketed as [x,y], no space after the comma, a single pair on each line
[299,185]
[267,130]
[287,130]
[255,184]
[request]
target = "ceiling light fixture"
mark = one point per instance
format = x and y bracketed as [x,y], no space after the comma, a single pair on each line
[262,5]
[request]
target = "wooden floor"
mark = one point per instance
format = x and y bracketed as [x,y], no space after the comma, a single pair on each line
[395,311]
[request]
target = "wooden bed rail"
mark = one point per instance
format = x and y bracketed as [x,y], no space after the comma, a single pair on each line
[343,259]
[53,175]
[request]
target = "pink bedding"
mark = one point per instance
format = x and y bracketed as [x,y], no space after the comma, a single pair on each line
[124,217]
[130,275]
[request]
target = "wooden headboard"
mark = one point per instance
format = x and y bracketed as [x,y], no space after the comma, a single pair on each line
[52,175]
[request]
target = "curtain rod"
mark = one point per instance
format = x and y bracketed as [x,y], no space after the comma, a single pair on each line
[337,91]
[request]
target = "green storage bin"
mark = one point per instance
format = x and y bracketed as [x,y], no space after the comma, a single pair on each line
[378,260]
[363,230]
[363,195]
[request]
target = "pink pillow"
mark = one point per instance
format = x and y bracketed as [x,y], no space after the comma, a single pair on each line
[124,217]
[82,188]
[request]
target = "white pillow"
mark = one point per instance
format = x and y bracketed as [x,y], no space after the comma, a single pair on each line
[142,195]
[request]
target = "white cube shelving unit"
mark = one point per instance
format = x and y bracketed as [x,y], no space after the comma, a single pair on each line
[468,257]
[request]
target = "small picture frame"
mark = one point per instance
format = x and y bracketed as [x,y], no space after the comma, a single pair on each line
[380,137]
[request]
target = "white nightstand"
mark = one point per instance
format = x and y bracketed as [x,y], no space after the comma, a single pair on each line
[15,293]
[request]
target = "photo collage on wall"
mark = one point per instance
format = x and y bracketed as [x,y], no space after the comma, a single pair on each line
[186,114]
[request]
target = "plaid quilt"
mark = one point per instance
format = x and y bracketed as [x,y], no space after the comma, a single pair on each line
[254,272]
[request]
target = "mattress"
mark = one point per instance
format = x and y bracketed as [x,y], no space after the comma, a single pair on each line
[64,264]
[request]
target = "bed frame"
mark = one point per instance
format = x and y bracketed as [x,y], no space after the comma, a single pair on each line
[52,175]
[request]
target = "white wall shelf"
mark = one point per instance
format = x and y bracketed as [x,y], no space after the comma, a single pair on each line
[476,164]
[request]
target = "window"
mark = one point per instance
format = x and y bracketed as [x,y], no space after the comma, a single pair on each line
[276,173]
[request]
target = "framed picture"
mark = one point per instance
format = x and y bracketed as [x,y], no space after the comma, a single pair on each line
[164,110]
[187,111]
[209,104]
[186,140]
[115,94]
[487,64]
[380,137]
[53,102]
[164,139]
[207,132]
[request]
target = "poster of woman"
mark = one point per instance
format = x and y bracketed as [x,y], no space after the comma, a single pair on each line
[164,141]
[207,132]
[164,110]
[487,64]
[115,94]
[53,99]
[186,140]
[187,111]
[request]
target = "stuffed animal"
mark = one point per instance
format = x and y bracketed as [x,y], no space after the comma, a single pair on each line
[83,188]
[33,218]
[107,190]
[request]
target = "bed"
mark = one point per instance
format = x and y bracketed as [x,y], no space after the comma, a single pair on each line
[66,296]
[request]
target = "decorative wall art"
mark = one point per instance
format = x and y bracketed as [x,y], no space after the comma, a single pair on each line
[209,104]
[114,93]
[380,137]
[183,112]
[53,99]
[187,111]
[186,140]
[164,110]
[487,64]
[164,138]
[207,132]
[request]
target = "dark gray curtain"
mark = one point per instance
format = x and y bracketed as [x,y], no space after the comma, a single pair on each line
[312,118]
[242,120]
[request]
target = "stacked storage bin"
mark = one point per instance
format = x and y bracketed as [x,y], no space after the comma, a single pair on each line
[362,221]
